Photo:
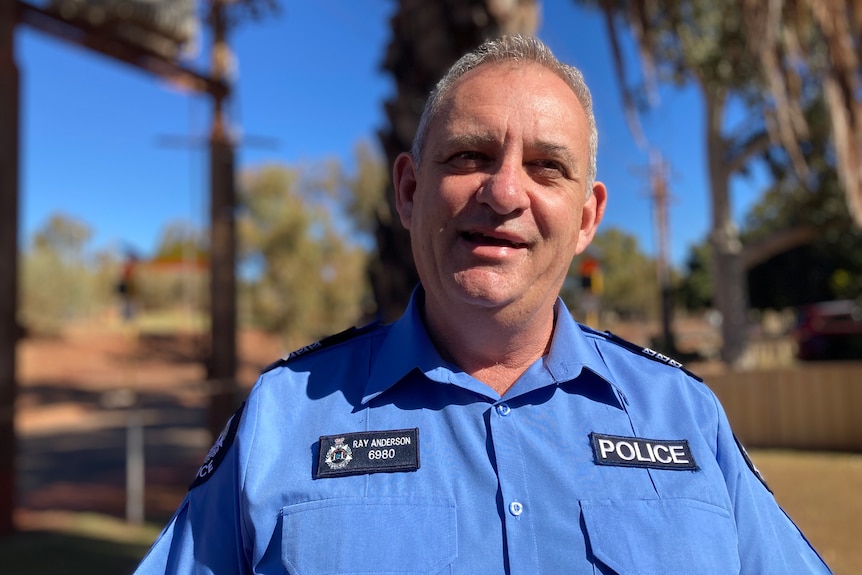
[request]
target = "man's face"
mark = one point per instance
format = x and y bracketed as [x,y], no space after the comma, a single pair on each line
[498,208]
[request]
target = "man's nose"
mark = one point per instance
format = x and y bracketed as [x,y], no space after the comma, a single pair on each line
[504,190]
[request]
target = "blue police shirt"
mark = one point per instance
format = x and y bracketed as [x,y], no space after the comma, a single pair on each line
[372,454]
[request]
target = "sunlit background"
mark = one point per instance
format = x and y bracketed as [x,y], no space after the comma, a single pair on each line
[749,269]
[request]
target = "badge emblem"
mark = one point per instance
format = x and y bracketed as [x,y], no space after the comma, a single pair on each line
[339,455]
[363,452]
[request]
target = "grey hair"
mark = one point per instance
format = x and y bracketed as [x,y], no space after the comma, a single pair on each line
[515,48]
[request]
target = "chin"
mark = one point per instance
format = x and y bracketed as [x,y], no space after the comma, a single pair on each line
[485,289]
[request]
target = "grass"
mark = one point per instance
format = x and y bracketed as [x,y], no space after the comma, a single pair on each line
[822,493]
[64,543]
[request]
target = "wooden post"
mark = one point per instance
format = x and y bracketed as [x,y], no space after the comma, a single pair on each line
[223,313]
[9,126]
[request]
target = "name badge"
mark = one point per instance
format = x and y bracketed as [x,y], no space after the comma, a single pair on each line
[640,452]
[368,452]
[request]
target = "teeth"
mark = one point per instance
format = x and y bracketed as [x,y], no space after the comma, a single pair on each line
[482,238]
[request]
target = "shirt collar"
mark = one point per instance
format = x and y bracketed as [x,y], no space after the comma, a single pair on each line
[407,347]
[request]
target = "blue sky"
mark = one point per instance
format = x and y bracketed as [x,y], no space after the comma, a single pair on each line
[93,129]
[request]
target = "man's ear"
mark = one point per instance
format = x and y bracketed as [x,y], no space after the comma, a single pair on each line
[404,181]
[592,214]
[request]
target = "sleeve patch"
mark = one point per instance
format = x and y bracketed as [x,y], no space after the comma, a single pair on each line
[217,452]
[750,463]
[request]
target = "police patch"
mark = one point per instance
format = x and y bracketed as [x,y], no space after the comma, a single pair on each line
[217,452]
[640,452]
[368,452]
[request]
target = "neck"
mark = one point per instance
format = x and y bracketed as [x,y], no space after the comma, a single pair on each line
[489,346]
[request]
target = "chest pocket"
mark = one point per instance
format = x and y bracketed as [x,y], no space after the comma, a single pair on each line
[652,537]
[407,536]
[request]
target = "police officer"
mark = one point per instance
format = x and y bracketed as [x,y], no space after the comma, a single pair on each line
[485,431]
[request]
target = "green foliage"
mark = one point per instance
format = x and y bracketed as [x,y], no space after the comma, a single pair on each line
[630,278]
[304,279]
[363,193]
[181,241]
[694,291]
[160,287]
[305,237]
[830,265]
[58,283]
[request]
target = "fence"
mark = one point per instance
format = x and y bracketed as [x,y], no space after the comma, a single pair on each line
[807,406]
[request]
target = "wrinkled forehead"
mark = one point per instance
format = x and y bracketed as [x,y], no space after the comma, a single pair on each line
[536,93]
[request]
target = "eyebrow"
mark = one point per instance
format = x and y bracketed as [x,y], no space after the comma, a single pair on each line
[473,140]
[556,151]
[477,140]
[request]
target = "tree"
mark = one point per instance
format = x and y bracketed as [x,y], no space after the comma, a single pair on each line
[695,289]
[297,262]
[427,38]
[59,283]
[181,241]
[630,280]
[800,241]
[809,49]
[63,236]
[823,255]
[706,42]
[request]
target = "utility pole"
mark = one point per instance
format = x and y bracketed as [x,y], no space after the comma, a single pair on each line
[660,197]
[222,361]
[9,127]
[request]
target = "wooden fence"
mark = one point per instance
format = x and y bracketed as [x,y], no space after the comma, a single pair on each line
[806,406]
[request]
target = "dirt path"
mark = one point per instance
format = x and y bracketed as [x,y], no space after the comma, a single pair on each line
[71,418]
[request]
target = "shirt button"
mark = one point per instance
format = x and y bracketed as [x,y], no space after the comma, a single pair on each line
[515,508]
[503,409]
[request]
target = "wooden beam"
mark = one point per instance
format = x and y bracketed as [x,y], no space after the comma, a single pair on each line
[82,33]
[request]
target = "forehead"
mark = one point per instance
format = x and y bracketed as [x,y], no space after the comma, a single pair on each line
[513,95]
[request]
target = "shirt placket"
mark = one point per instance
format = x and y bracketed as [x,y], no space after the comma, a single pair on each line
[511,473]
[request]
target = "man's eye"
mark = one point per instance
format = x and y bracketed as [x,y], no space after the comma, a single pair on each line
[548,168]
[467,159]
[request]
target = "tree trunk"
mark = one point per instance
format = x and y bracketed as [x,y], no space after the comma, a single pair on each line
[427,38]
[730,289]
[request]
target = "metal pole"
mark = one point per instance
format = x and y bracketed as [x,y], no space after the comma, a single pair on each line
[135,483]
[9,127]
[661,199]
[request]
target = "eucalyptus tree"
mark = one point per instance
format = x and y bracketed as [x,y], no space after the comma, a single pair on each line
[775,58]
[297,253]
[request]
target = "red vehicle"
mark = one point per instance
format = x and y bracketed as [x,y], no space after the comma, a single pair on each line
[829,330]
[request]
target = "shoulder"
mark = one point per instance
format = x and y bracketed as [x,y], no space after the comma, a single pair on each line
[350,337]
[658,389]
[626,350]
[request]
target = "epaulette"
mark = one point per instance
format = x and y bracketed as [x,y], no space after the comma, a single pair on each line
[328,341]
[647,352]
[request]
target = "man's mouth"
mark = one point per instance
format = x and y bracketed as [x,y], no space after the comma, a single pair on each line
[486,240]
